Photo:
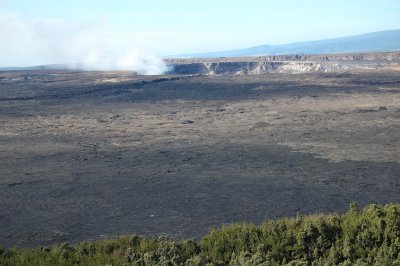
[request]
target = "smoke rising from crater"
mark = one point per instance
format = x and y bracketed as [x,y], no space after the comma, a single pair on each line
[27,42]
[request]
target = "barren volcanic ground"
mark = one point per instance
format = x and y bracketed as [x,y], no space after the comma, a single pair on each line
[87,155]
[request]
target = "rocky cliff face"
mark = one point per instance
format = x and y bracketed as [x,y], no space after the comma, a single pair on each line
[284,64]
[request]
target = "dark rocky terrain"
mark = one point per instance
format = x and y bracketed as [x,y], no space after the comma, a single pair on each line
[88,155]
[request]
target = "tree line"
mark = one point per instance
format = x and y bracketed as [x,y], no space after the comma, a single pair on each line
[369,236]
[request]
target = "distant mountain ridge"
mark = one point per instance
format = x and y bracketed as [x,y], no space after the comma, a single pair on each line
[382,41]
[40,67]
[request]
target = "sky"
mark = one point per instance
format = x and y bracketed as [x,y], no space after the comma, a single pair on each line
[72,29]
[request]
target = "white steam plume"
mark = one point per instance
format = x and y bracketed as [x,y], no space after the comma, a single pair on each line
[25,42]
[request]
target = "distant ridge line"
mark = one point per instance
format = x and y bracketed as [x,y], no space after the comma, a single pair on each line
[381,41]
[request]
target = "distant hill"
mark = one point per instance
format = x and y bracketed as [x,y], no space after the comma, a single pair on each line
[382,41]
[41,67]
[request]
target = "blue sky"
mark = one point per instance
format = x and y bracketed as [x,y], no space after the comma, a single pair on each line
[165,27]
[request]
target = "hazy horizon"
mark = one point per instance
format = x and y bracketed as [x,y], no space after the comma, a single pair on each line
[132,34]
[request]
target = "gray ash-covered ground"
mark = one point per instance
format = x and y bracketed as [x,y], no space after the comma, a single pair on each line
[88,155]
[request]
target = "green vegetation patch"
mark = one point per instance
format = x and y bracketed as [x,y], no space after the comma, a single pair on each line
[359,237]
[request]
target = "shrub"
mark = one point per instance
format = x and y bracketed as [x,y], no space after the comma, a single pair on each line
[359,237]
